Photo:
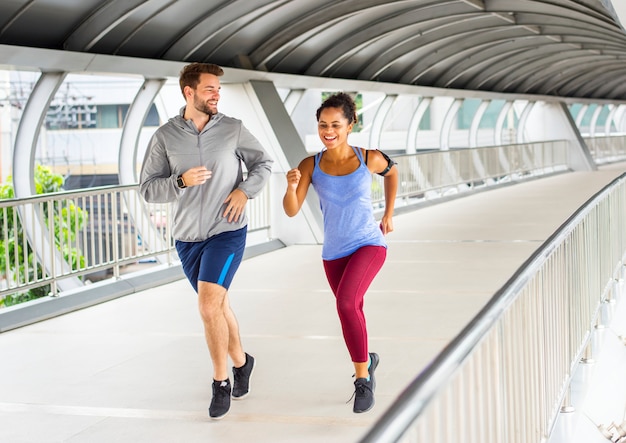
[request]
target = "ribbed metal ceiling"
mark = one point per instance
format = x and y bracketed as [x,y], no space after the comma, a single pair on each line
[559,47]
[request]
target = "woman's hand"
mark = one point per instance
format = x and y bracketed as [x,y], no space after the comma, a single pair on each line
[386,224]
[293,178]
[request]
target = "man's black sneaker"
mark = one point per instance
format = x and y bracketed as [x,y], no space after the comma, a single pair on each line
[374,359]
[363,395]
[220,403]
[241,378]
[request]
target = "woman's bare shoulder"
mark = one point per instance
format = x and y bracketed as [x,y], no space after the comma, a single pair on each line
[307,163]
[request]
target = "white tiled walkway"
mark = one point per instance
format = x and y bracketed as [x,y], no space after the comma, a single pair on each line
[136,369]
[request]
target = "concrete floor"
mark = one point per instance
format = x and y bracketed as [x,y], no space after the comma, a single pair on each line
[136,369]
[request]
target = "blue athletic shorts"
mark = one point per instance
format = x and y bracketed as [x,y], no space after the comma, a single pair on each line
[214,260]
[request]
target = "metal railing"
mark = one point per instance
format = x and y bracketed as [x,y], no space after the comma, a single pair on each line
[436,173]
[73,236]
[79,234]
[607,149]
[505,377]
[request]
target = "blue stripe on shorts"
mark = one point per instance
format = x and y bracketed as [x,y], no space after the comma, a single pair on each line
[229,260]
[214,260]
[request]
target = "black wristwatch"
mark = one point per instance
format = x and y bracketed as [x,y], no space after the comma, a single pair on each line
[180,182]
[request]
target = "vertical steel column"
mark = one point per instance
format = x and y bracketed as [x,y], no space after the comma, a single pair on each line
[379,120]
[24,177]
[523,120]
[137,112]
[581,115]
[594,120]
[448,124]
[476,119]
[414,125]
[127,165]
[609,119]
[293,98]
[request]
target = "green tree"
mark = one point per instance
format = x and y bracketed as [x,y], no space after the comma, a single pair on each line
[68,219]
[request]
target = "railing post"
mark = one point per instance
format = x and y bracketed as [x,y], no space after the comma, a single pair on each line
[566,406]
[587,357]
[116,234]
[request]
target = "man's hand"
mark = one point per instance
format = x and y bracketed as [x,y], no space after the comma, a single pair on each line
[196,176]
[235,204]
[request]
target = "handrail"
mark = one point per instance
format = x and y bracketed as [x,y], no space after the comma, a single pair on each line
[607,149]
[122,229]
[97,230]
[546,312]
[432,174]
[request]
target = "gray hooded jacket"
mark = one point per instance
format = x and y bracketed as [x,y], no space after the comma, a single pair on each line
[222,146]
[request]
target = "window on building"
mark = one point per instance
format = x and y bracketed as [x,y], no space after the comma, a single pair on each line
[67,116]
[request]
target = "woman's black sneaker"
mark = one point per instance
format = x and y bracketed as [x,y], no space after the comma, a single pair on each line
[363,395]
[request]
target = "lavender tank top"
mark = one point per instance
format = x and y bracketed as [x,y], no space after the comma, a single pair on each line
[346,203]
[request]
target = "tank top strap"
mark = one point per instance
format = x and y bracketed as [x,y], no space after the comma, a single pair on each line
[358,153]
[317,158]
[356,149]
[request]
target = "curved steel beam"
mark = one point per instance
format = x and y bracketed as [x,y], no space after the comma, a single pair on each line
[207,27]
[609,87]
[448,124]
[380,116]
[521,128]
[594,120]
[460,46]
[502,72]
[24,180]
[15,15]
[602,74]
[378,43]
[127,164]
[502,116]
[475,125]
[292,99]
[414,124]
[610,119]
[621,124]
[142,24]
[100,23]
[521,72]
[577,85]
[333,23]
[581,115]
[133,124]
[422,45]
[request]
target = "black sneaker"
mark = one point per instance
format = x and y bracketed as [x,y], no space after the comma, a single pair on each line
[374,359]
[220,403]
[241,378]
[363,395]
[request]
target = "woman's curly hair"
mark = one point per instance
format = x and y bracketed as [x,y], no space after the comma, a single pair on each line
[342,101]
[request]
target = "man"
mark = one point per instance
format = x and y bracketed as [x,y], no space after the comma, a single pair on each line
[195,160]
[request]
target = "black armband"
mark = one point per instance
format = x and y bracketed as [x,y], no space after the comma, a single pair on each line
[390,164]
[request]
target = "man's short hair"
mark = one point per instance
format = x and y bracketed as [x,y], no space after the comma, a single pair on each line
[190,74]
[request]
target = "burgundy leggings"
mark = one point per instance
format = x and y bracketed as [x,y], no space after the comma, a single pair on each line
[349,278]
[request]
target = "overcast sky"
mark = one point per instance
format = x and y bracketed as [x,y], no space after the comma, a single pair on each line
[620,8]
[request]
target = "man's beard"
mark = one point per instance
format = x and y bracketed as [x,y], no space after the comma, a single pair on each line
[203,107]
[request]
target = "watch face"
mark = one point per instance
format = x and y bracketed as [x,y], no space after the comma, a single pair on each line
[180,182]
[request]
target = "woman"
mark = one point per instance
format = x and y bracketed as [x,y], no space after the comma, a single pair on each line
[354,247]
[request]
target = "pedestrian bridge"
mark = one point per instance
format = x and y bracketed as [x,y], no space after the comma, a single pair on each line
[136,368]
[498,315]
